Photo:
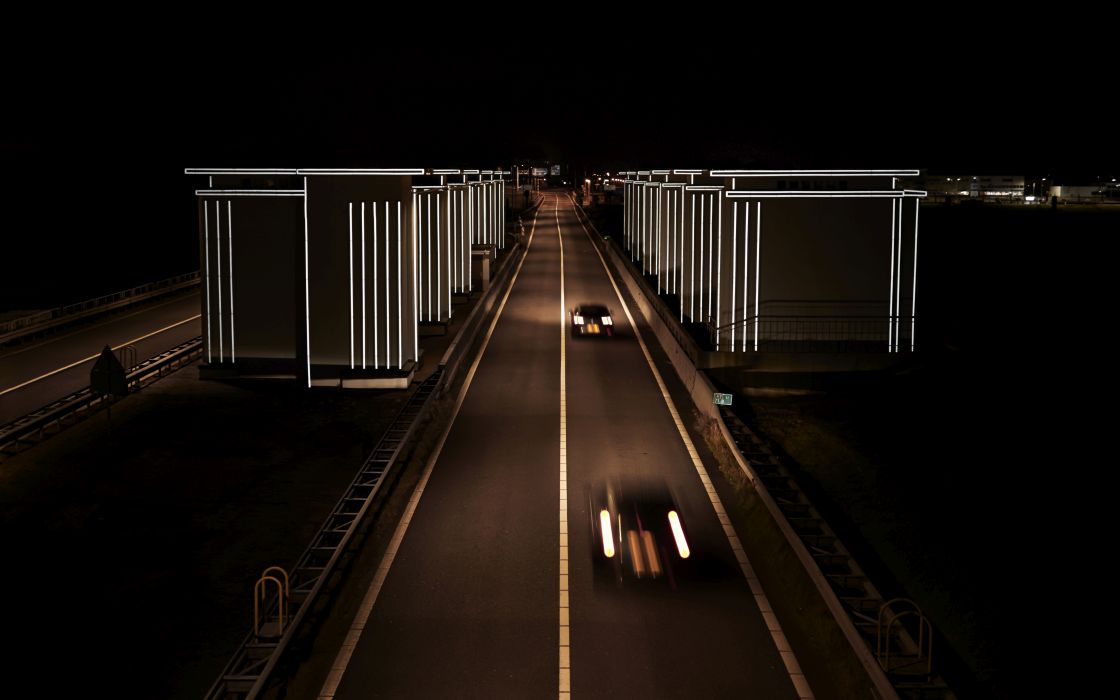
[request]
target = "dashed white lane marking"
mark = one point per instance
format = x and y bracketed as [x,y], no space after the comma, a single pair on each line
[361,618]
[793,668]
[565,626]
[93,357]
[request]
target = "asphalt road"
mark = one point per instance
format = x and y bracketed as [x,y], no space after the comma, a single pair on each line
[469,607]
[29,378]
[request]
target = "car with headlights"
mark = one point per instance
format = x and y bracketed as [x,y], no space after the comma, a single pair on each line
[637,532]
[591,320]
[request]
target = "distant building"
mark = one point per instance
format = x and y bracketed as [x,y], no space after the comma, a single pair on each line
[1000,188]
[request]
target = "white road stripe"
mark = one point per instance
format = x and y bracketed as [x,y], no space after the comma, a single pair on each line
[565,624]
[93,357]
[361,618]
[793,668]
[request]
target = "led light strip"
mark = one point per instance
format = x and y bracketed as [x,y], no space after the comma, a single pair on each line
[757,269]
[914,293]
[306,291]
[229,231]
[789,659]
[361,617]
[890,294]
[206,266]
[350,269]
[218,250]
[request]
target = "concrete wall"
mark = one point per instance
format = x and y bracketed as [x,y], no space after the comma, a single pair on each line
[250,248]
[361,318]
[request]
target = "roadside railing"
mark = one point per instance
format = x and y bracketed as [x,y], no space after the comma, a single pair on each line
[13,329]
[52,418]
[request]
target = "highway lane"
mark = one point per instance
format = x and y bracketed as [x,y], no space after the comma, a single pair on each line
[469,607]
[34,367]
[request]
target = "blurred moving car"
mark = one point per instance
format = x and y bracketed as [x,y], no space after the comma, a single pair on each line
[637,531]
[591,319]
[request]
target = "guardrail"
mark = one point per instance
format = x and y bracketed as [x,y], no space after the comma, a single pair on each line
[52,418]
[249,671]
[16,328]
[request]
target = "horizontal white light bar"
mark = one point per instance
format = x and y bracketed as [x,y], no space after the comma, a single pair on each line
[687,172]
[447,171]
[661,172]
[485,172]
[249,193]
[643,172]
[705,188]
[360,171]
[818,173]
[428,188]
[470,172]
[240,171]
[822,194]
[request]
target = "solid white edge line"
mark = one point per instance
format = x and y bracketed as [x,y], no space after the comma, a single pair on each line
[565,655]
[361,617]
[229,232]
[789,659]
[93,357]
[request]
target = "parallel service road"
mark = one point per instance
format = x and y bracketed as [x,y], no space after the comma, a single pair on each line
[30,376]
[490,592]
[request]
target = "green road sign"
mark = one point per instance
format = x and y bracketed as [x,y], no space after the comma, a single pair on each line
[722,399]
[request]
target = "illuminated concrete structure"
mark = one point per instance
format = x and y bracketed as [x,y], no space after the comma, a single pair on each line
[781,261]
[326,274]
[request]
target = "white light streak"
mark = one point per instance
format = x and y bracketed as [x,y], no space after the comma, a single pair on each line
[734,253]
[239,171]
[757,267]
[249,193]
[362,255]
[898,290]
[606,533]
[678,534]
[890,294]
[350,269]
[206,261]
[400,293]
[810,173]
[388,302]
[824,194]
[229,230]
[415,312]
[306,291]
[218,249]
[746,272]
[701,266]
[914,293]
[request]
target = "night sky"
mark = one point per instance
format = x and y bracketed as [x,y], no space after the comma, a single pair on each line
[99,122]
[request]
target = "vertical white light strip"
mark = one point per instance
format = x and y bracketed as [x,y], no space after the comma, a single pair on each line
[565,656]
[734,253]
[692,266]
[719,262]
[389,300]
[350,269]
[680,259]
[914,292]
[470,235]
[702,199]
[447,251]
[655,242]
[218,250]
[711,234]
[306,288]
[428,229]
[415,311]
[417,222]
[206,266]
[400,305]
[362,254]
[229,230]
[746,271]
[757,269]
[890,295]
[376,310]
[898,287]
